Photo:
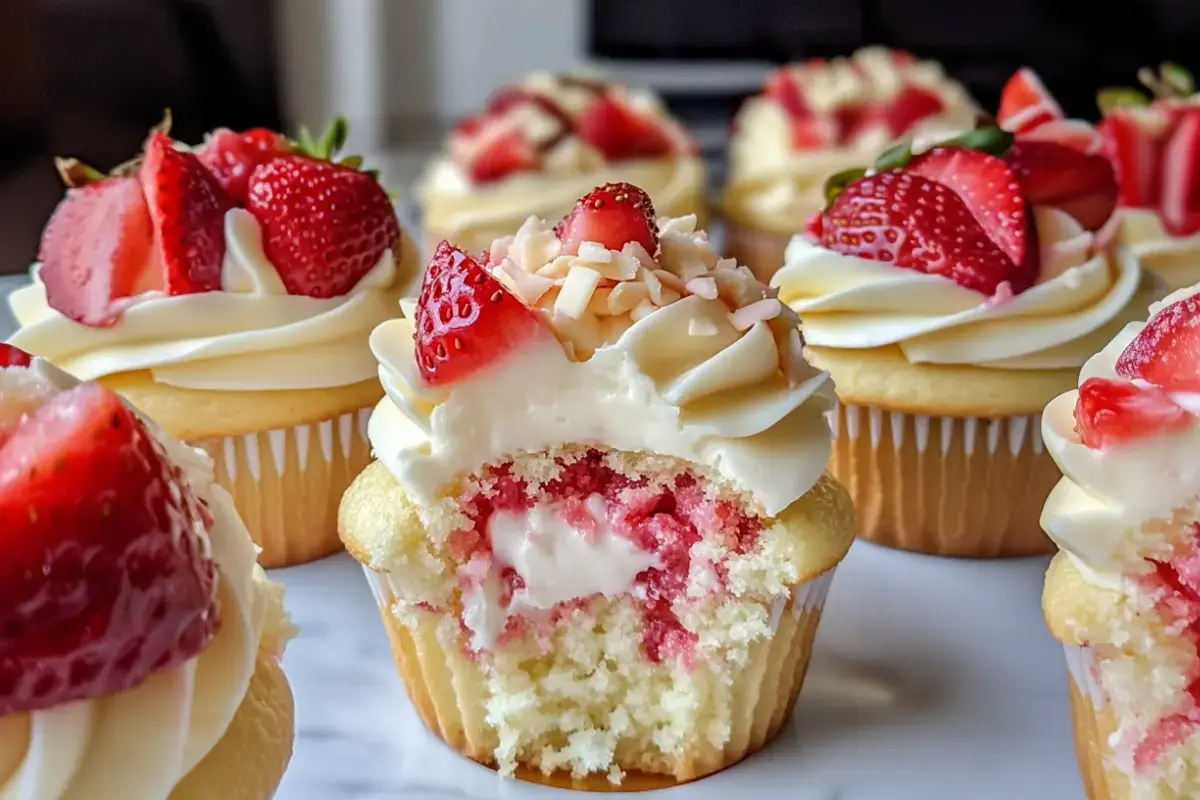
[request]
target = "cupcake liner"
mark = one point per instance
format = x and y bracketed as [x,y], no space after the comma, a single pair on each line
[449,691]
[287,483]
[1094,724]
[761,251]
[954,486]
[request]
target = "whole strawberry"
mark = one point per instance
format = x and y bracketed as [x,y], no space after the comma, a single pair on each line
[106,575]
[324,224]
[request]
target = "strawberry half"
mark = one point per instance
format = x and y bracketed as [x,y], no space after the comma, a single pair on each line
[13,356]
[503,155]
[232,156]
[187,207]
[992,195]
[465,318]
[1054,174]
[611,215]
[1133,142]
[619,132]
[1180,200]
[105,576]
[916,223]
[324,225]
[1166,353]
[1112,412]
[912,105]
[95,249]
[1025,104]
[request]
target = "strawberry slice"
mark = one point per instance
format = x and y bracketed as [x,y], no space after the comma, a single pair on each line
[912,105]
[1054,174]
[13,356]
[619,132]
[1166,353]
[1180,202]
[465,318]
[503,155]
[513,97]
[106,576]
[989,189]
[1133,142]
[232,156]
[187,207]
[810,131]
[916,223]
[324,225]
[1114,412]
[1025,104]
[611,215]
[95,249]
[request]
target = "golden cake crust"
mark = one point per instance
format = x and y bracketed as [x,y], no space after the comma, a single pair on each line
[883,378]
[249,761]
[377,517]
[1072,605]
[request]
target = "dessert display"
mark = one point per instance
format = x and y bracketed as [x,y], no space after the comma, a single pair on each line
[140,644]
[816,119]
[228,291]
[539,145]
[600,531]
[1123,595]
[951,294]
[1154,143]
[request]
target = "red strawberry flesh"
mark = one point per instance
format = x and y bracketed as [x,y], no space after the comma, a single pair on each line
[503,155]
[1180,201]
[611,215]
[232,156]
[105,577]
[1114,412]
[187,207]
[13,356]
[96,248]
[1133,141]
[1054,174]
[1025,104]
[325,226]
[912,105]
[465,319]
[619,132]
[1166,352]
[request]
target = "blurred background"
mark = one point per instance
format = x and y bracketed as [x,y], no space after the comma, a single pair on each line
[88,77]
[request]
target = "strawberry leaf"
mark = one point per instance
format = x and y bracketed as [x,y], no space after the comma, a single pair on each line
[990,139]
[1120,97]
[895,157]
[835,184]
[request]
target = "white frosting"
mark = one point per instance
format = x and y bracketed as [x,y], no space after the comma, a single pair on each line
[689,378]
[773,178]
[557,561]
[1176,259]
[250,336]
[138,744]
[1106,495]
[851,302]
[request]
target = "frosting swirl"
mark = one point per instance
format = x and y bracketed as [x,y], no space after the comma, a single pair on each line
[455,205]
[687,355]
[251,336]
[1106,495]
[140,743]
[774,182]
[853,303]
[1175,259]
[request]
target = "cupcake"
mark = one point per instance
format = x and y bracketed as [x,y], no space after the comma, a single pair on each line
[229,292]
[1154,143]
[140,644]
[950,306]
[814,120]
[539,145]
[1123,595]
[600,531]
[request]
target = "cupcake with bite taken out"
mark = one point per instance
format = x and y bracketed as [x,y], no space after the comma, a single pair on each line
[600,531]
[951,294]
[815,119]
[228,291]
[540,144]
[1123,596]
[1154,143]
[140,644]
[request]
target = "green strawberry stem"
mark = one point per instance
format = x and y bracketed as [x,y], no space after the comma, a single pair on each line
[1120,97]
[837,183]
[991,139]
[1171,82]
[330,145]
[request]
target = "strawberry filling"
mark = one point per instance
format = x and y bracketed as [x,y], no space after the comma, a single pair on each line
[655,524]
[1176,584]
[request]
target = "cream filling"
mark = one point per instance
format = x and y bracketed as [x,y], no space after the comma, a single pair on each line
[251,336]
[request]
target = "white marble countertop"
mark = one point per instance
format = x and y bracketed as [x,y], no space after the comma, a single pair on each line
[932,679]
